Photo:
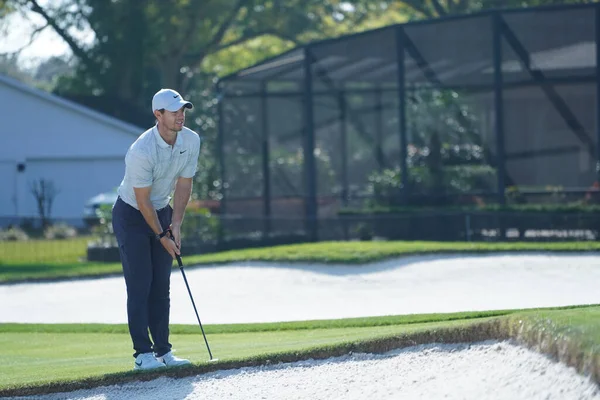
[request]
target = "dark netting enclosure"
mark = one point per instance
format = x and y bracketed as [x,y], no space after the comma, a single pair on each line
[491,108]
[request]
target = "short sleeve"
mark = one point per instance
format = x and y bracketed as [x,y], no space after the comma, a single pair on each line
[138,170]
[191,167]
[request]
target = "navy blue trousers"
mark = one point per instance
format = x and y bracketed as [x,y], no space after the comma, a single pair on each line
[147,271]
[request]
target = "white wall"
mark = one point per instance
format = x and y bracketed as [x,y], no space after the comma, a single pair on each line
[41,128]
[8,170]
[80,150]
[79,180]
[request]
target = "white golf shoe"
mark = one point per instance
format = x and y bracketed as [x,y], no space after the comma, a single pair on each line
[171,361]
[147,361]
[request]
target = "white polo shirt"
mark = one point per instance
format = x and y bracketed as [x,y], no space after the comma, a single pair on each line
[150,161]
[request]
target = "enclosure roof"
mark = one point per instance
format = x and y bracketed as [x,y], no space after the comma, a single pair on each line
[456,50]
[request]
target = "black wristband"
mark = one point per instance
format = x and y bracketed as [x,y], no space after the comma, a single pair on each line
[163,234]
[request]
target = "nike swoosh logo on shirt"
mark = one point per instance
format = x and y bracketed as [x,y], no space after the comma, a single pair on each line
[181,152]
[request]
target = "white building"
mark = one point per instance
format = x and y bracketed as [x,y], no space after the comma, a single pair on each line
[46,137]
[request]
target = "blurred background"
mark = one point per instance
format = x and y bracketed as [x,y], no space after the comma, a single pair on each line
[453,120]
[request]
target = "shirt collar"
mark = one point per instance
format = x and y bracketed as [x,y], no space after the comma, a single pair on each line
[161,142]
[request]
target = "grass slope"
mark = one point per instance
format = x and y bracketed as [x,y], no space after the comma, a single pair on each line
[24,268]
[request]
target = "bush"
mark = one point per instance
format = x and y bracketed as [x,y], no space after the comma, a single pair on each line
[570,208]
[14,234]
[427,189]
[60,231]
[199,225]
[103,230]
[364,232]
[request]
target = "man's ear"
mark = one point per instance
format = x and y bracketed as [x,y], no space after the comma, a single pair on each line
[157,113]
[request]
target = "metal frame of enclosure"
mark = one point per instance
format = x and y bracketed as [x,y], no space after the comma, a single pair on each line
[502,102]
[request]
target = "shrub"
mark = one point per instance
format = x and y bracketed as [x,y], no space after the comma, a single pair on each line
[425,187]
[364,232]
[103,230]
[199,225]
[14,233]
[60,231]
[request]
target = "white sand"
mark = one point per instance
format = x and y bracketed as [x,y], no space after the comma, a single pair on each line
[485,370]
[255,293]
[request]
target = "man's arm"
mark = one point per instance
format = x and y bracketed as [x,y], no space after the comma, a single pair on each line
[142,196]
[181,198]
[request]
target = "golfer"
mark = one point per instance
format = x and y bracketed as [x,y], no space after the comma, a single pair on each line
[160,163]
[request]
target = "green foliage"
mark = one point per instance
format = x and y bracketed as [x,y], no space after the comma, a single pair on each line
[418,9]
[141,46]
[567,208]
[199,225]
[364,232]
[103,230]
[138,47]
[387,185]
[9,66]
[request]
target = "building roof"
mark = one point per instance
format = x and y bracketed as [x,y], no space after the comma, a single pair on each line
[71,106]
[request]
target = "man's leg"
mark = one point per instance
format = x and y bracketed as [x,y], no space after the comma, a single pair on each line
[159,301]
[135,250]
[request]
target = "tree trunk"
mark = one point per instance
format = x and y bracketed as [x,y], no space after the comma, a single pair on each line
[170,74]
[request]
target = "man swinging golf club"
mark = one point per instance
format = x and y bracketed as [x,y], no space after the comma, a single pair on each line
[160,163]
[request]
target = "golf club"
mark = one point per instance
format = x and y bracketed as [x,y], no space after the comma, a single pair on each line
[180,263]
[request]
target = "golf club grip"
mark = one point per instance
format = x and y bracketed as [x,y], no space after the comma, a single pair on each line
[179,262]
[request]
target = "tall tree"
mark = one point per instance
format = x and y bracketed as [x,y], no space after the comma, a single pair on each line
[139,46]
[420,9]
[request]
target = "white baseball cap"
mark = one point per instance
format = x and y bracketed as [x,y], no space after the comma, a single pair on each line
[170,100]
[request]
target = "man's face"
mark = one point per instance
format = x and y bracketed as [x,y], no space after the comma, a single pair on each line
[172,120]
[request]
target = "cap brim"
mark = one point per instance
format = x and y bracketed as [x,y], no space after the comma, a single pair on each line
[178,104]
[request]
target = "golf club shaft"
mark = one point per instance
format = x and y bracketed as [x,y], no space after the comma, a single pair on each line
[193,303]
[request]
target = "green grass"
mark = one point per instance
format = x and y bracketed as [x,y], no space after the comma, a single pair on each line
[18,266]
[41,358]
[62,356]
[262,327]
[580,329]
[40,251]
[364,252]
